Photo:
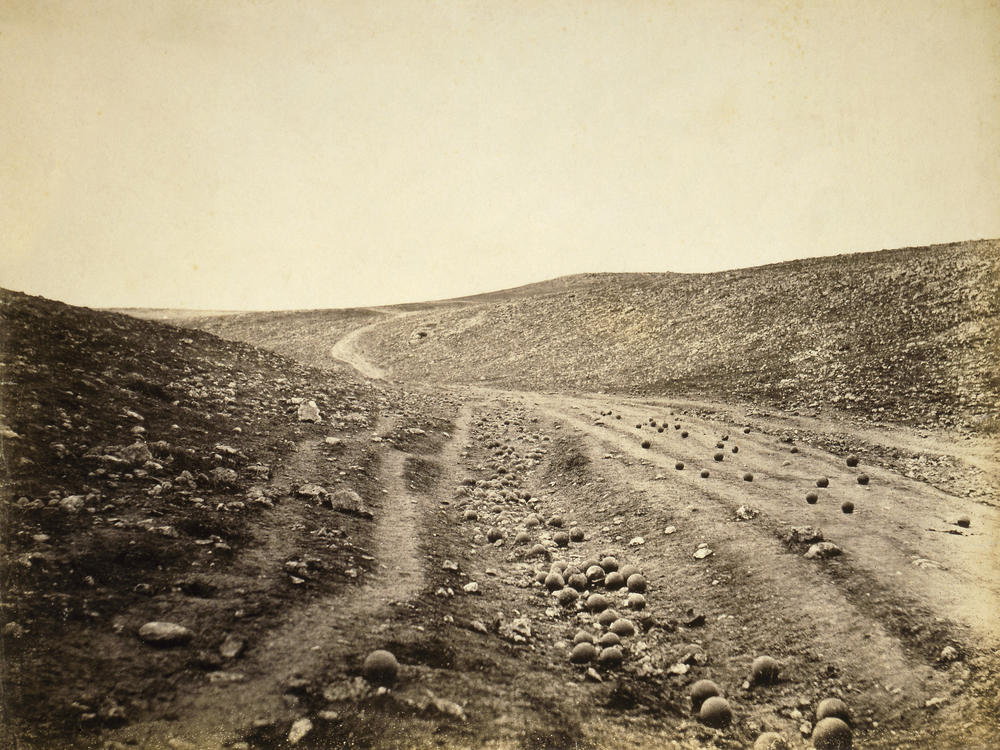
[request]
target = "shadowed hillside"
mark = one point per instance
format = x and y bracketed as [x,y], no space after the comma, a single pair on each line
[904,335]
[152,474]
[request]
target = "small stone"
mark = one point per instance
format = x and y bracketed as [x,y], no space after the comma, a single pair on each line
[471,588]
[164,634]
[771,741]
[949,654]
[299,729]
[823,550]
[308,412]
[232,647]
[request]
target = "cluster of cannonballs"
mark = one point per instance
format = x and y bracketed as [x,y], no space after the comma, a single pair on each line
[569,583]
[847,506]
[811,497]
[833,721]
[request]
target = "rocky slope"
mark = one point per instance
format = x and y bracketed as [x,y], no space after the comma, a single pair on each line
[905,336]
[305,335]
[153,474]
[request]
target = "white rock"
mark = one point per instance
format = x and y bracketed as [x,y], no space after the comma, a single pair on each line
[309,412]
[299,730]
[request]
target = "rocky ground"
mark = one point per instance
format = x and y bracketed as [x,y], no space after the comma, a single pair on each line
[204,541]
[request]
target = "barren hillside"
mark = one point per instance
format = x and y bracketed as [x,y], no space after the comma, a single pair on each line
[904,336]
[212,546]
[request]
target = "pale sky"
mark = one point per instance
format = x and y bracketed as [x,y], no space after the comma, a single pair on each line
[330,153]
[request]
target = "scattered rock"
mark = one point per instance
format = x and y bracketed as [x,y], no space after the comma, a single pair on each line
[348,501]
[309,412]
[823,550]
[803,535]
[299,729]
[232,647]
[164,634]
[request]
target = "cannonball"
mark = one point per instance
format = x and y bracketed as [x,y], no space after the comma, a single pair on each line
[746,430]
[595,573]
[847,506]
[554,582]
[531,521]
[636,583]
[704,474]
[822,482]
[577,581]
[622,628]
[852,461]
[736,449]
[614,580]
[380,668]
[834,707]
[715,712]
[812,498]
[523,537]
[582,636]
[862,479]
[588,564]
[748,477]
[609,639]
[556,522]
[470,515]
[793,450]
[636,601]
[963,521]
[561,539]
[576,534]
[679,466]
[540,576]
[771,741]
[684,433]
[538,550]
[720,445]
[719,456]
[764,670]
[609,564]
[832,734]
[567,596]
[494,534]
[558,566]
[645,444]
[597,603]
[628,570]
[610,657]
[607,617]
[583,653]
[701,691]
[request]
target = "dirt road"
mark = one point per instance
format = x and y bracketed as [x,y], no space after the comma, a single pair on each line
[902,622]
